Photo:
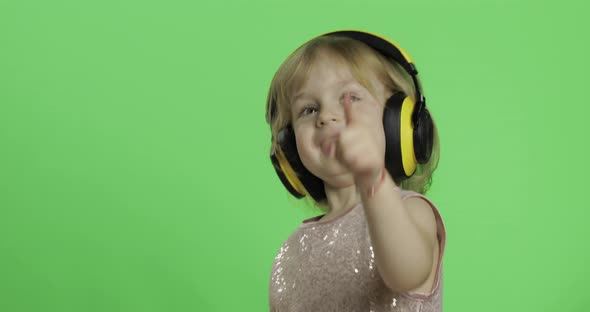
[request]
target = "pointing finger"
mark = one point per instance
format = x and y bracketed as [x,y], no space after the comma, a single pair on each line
[348,110]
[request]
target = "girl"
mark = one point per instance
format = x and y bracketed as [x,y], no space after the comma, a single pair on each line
[350,129]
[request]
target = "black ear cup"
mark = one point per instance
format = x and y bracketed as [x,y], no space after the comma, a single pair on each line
[423,136]
[290,169]
[406,143]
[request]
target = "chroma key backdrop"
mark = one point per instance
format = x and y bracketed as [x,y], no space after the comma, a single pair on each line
[134,153]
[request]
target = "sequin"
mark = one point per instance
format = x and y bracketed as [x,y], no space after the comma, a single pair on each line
[331,267]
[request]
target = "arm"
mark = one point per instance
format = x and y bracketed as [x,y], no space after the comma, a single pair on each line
[403,234]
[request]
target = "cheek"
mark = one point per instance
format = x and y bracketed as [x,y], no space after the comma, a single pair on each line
[380,134]
[382,138]
[303,140]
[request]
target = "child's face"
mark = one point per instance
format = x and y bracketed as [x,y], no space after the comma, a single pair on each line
[318,116]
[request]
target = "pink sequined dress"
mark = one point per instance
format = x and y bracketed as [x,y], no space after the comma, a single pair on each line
[330,266]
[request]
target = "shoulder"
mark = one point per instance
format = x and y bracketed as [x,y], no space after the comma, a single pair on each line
[423,213]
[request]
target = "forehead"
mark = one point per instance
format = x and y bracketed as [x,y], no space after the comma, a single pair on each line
[305,91]
[329,63]
[329,69]
[324,69]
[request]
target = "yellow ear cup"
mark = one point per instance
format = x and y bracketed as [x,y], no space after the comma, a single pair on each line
[290,173]
[407,136]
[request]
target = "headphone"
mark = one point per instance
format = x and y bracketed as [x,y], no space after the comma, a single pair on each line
[408,128]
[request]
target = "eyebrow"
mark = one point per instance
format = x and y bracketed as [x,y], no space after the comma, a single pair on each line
[341,84]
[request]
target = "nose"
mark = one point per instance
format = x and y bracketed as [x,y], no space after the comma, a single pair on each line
[324,119]
[328,117]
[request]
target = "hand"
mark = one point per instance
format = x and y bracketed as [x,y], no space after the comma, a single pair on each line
[360,146]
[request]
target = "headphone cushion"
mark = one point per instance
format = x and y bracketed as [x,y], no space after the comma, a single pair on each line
[391,127]
[288,144]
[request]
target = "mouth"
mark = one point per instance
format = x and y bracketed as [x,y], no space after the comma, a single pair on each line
[327,148]
[328,144]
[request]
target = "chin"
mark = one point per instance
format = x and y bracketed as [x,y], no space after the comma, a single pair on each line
[332,173]
[338,180]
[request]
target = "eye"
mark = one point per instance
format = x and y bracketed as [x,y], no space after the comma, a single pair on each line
[308,109]
[353,96]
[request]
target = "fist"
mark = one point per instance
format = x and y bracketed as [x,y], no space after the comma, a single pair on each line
[360,146]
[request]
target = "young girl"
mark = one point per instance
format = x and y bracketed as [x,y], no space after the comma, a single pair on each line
[350,129]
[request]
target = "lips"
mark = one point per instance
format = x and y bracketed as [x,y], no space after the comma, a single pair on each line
[327,144]
[327,148]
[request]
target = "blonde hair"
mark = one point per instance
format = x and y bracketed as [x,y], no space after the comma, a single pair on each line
[364,63]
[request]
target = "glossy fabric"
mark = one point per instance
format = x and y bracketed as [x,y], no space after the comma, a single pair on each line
[330,266]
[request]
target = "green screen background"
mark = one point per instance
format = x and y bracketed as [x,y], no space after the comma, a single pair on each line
[134,169]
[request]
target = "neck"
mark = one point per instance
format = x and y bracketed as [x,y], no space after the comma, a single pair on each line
[341,198]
